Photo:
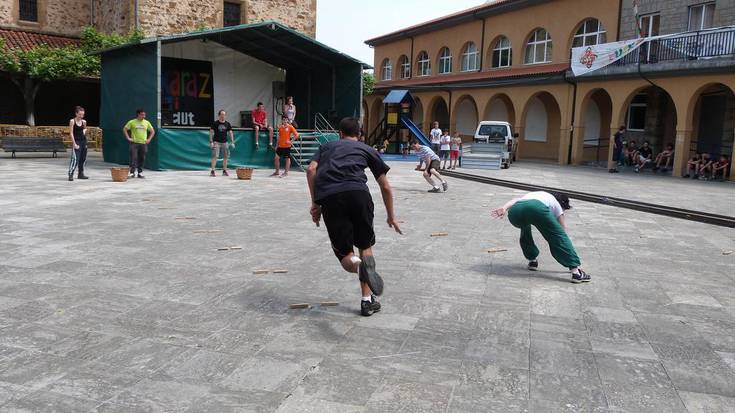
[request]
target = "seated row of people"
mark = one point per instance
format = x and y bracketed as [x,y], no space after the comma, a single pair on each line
[706,167]
[643,156]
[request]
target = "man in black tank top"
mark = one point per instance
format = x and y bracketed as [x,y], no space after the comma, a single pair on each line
[78,132]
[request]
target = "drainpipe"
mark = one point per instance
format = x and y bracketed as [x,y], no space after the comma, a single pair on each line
[574,110]
[91,12]
[482,42]
[410,61]
[137,19]
[620,16]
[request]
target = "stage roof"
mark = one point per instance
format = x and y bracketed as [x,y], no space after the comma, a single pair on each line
[269,41]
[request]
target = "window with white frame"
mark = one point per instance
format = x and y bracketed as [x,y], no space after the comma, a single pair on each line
[445,61]
[502,53]
[590,33]
[386,70]
[404,66]
[701,16]
[470,58]
[423,64]
[538,48]
[637,113]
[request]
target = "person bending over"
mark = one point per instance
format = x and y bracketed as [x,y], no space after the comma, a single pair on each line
[339,193]
[426,155]
[545,211]
[705,166]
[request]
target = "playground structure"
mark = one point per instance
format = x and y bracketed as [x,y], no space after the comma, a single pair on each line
[399,106]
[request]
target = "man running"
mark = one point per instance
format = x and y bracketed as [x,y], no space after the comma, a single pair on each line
[218,141]
[426,155]
[339,191]
[285,131]
[544,211]
[142,133]
[78,133]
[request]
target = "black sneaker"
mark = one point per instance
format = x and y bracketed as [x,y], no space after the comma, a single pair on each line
[445,186]
[435,190]
[368,308]
[533,265]
[369,276]
[71,177]
[581,277]
[82,176]
[141,176]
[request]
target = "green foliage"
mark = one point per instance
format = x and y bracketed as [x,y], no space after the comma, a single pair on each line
[368,83]
[71,62]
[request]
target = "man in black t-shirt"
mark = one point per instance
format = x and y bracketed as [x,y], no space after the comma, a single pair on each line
[218,141]
[645,153]
[339,191]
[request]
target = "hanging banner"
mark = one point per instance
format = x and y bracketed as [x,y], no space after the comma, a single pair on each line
[587,59]
[187,92]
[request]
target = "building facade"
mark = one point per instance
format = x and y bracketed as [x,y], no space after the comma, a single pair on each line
[510,60]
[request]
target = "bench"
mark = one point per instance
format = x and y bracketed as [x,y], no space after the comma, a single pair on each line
[15,144]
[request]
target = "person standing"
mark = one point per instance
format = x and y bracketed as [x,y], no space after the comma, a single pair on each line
[454,149]
[436,137]
[545,211]
[289,109]
[339,193]
[139,132]
[285,131]
[78,133]
[218,141]
[431,159]
[617,150]
[260,121]
[445,145]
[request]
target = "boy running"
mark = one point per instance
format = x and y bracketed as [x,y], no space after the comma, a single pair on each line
[339,191]
[544,211]
[78,133]
[431,159]
[218,141]
[285,131]
[142,133]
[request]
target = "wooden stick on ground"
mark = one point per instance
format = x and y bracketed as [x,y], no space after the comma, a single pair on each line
[299,305]
[440,234]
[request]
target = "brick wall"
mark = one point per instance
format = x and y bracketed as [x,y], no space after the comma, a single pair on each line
[674,15]
[299,14]
[65,17]
[178,16]
[114,16]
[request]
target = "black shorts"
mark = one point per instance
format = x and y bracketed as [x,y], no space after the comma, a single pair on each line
[349,220]
[283,152]
[433,165]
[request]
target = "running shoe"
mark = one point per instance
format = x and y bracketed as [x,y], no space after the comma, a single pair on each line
[82,176]
[435,190]
[445,186]
[581,277]
[369,276]
[71,177]
[533,265]
[140,175]
[212,173]
[224,172]
[368,308]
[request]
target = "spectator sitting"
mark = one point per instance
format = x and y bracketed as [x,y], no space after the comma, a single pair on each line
[719,169]
[643,156]
[666,158]
[705,166]
[260,121]
[629,153]
[693,165]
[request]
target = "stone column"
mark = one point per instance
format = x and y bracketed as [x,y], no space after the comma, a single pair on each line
[732,168]
[519,131]
[578,148]
[681,148]
[563,157]
[611,148]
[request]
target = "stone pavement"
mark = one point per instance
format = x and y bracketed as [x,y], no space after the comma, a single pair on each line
[109,303]
[709,196]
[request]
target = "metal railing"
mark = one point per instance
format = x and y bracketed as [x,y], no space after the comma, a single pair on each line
[701,44]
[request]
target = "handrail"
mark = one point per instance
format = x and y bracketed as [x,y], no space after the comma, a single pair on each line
[684,46]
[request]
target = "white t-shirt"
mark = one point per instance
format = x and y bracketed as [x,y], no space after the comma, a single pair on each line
[445,140]
[436,135]
[548,200]
[425,151]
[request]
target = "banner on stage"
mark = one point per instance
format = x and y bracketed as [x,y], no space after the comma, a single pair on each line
[587,59]
[187,92]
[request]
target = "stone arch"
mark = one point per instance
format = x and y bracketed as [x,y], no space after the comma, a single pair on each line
[541,127]
[500,107]
[711,114]
[654,120]
[418,113]
[438,111]
[595,126]
[465,116]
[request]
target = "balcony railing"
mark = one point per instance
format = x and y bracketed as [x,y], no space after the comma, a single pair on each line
[704,44]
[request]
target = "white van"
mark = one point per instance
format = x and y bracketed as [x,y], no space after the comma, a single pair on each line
[499,137]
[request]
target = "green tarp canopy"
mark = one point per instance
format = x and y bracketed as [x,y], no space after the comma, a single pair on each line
[327,82]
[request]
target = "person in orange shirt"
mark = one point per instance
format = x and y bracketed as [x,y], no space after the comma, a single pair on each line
[283,150]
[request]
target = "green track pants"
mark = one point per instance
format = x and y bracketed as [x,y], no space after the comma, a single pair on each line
[525,214]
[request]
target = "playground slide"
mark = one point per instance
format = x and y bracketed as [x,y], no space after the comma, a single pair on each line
[415,131]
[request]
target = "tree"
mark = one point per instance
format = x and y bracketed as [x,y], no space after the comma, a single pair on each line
[368,83]
[29,69]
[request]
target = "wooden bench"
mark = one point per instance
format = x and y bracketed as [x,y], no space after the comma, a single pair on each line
[33,144]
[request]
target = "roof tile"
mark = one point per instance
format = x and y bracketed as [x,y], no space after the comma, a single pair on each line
[21,39]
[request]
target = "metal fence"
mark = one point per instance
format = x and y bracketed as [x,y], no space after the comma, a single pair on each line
[685,46]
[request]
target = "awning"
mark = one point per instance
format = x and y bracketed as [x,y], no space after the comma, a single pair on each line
[397,96]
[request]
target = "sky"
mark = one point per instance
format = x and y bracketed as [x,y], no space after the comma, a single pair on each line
[346,24]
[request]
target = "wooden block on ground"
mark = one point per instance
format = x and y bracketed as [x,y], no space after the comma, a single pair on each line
[440,234]
[496,249]
[223,249]
[280,271]
[329,304]
[185,218]
[236,248]
[261,271]
[728,252]
[299,305]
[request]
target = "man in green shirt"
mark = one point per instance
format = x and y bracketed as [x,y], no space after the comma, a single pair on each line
[139,132]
